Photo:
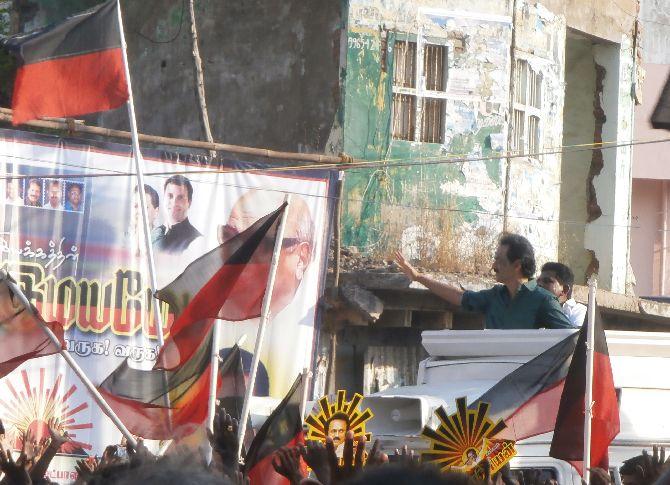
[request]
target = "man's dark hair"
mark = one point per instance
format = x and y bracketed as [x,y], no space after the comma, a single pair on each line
[34,182]
[72,185]
[153,195]
[563,273]
[181,181]
[520,249]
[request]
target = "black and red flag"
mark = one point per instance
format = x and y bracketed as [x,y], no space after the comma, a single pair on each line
[568,441]
[227,283]
[233,386]
[71,68]
[282,428]
[21,335]
[140,397]
[527,399]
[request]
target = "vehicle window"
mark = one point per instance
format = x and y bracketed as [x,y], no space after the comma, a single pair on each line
[535,476]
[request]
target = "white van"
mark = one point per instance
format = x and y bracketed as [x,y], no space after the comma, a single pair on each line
[469,362]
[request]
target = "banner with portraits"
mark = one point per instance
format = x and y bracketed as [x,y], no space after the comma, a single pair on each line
[72,235]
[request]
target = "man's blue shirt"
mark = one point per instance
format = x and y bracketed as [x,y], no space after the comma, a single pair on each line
[531,307]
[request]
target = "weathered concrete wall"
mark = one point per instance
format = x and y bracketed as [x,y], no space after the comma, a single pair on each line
[436,211]
[578,129]
[608,235]
[425,201]
[655,39]
[271,68]
[535,181]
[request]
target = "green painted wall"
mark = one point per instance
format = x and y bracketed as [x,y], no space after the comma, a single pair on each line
[381,202]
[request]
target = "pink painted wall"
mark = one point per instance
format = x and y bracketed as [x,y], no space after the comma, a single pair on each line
[645,236]
[651,161]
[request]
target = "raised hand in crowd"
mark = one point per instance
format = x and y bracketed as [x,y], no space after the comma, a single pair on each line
[48,449]
[139,454]
[16,472]
[286,462]
[86,468]
[644,468]
[404,456]
[224,441]
[315,455]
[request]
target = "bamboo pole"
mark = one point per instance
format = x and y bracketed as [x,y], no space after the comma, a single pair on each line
[73,127]
[200,78]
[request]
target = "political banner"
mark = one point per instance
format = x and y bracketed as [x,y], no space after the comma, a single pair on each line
[72,236]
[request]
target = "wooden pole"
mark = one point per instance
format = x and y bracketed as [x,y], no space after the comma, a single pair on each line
[265,318]
[73,127]
[139,169]
[200,78]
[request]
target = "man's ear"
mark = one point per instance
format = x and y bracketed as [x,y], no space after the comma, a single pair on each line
[304,258]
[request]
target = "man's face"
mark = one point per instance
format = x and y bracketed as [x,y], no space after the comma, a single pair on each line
[548,281]
[13,189]
[54,195]
[176,203]
[504,270]
[34,192]
[337,429]
[295,255]
[74,196]
[152,212]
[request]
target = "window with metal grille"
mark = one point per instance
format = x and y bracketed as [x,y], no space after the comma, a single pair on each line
[418,108]
[527,116]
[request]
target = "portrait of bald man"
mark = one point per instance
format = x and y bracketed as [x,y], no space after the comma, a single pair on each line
[298,244]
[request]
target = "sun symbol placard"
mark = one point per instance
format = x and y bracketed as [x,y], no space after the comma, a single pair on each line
[463,438]
[30,405]
[347,413]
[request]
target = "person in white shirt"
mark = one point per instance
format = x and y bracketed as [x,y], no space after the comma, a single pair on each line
[558,279]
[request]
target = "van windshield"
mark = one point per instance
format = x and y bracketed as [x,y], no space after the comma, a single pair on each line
[539,476]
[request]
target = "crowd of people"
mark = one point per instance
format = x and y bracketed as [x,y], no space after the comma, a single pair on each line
[311,463]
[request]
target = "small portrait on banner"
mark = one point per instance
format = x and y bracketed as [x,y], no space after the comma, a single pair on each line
[14,191]
[53,194]
[33,193]
[74,192]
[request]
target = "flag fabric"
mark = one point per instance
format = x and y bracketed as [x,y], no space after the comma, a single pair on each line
[233,384]
[71,68]
[140,397]
[21,332]
[661,116]
[227,283]
[282,428]
[527,399]
[568,441]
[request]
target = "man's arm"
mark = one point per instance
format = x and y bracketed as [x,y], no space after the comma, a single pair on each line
[551,315]
[451,293]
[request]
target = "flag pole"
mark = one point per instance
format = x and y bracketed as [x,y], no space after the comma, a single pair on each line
[306,375]
[588,398]
[139,169]
[265,317]
[71,362]
[214,373]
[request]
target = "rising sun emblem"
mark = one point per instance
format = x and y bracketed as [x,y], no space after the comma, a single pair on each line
[30,405]
[336,418]
[463,439]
